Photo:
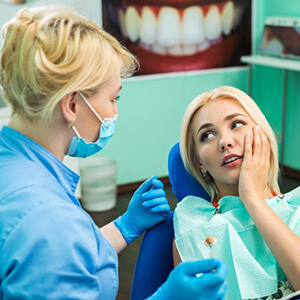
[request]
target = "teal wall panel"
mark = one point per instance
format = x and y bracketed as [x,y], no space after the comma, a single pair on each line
[267,88]
[150,109]
[292,132]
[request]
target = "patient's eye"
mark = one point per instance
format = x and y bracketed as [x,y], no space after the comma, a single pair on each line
[237,124]
[205,136]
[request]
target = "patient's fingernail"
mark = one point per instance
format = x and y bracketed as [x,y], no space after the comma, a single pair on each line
[257,127]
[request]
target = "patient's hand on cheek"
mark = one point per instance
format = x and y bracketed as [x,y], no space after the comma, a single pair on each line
[253,178]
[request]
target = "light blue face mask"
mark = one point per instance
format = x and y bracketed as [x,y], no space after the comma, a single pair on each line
[80,148]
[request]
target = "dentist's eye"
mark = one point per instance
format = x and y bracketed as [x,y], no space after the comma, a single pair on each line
[205,136]
[115,99]
[237,124]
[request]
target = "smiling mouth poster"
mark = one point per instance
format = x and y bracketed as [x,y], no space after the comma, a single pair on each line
[181,35]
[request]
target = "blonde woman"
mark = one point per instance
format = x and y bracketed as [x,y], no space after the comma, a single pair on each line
[61,74]
[227,144]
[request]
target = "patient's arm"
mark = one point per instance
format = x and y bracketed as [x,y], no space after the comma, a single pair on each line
[253,185]
[176,257]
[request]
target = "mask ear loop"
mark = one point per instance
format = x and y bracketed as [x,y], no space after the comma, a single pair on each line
[91,107]
[71,125]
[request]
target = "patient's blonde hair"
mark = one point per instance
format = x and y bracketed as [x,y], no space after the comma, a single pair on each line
[187,143]
[51,51]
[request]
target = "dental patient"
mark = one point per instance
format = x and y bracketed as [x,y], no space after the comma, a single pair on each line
[227,144]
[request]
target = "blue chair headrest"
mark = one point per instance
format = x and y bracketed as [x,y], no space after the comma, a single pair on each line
[183,183]
[155,260]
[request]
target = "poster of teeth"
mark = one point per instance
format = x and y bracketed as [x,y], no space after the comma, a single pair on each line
[181,35]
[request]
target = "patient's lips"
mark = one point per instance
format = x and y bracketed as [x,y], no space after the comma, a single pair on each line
[179,35]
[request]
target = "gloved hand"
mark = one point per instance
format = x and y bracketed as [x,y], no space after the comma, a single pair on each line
[183,284]
[148,207]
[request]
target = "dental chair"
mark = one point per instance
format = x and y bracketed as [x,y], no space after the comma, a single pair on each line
[155,259]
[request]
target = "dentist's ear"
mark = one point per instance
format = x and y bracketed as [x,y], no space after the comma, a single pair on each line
[69,107]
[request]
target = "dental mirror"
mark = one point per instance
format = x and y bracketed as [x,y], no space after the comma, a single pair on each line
[209,242]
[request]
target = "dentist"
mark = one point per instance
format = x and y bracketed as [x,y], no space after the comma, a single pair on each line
[61,74]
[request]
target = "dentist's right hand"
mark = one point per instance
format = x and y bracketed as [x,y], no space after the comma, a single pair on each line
[183,283]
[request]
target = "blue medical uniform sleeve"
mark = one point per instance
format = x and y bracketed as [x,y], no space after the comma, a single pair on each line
[51,253]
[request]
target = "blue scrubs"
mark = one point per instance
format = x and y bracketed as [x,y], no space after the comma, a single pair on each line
[50,248]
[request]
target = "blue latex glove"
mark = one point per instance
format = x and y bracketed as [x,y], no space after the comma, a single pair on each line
[148,207]
[183,284]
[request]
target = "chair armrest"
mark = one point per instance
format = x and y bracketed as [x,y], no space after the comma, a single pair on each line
[155,260]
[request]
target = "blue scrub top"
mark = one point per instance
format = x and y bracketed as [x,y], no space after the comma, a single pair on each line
[50,248]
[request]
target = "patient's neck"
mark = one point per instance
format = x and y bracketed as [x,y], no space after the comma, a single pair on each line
[233,190]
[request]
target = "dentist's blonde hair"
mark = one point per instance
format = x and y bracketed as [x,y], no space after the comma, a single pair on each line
[188,149]
[49,52]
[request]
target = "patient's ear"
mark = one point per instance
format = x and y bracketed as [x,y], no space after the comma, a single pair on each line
[202,168]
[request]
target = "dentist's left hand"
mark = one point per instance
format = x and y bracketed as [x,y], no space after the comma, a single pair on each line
[148,207]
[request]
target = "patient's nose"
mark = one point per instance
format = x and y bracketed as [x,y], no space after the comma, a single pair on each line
[226,143]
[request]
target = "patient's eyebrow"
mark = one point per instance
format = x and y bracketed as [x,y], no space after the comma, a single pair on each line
[206,125]
[230,117]
[227,118]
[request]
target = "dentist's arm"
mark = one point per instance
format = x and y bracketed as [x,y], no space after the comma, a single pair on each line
[148,207]
[114,236]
